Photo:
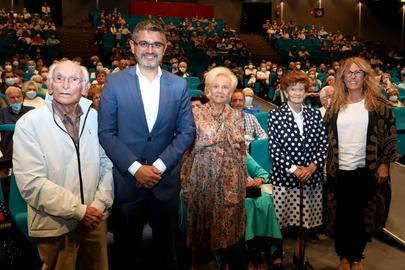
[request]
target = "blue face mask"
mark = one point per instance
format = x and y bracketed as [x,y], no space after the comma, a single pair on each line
[10,81]
[16,106]
[31,68]
[30,94]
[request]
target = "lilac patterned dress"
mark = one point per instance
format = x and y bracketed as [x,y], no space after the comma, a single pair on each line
[213,179]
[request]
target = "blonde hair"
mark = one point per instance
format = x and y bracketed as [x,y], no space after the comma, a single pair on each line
[370,87]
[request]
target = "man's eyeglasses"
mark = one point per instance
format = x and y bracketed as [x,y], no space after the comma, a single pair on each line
[73,80]
[357,73]
[146,44]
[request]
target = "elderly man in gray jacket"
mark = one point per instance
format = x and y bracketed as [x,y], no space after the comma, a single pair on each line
[64,175]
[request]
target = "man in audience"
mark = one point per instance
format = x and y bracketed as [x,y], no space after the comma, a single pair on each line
[122,64]
[325,96]
[249,107]
[253,130]
[64,175]
[10,115]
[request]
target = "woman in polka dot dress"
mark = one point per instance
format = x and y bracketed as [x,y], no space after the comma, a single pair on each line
[298,145]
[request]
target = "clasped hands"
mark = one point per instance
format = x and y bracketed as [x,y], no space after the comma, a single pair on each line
[303,173]
[90,221]
[147,176]
[254,183]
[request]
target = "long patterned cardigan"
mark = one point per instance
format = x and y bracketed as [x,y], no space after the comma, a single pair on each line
[381,148]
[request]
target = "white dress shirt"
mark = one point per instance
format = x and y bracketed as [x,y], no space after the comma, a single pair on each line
[150,92]
[299,120]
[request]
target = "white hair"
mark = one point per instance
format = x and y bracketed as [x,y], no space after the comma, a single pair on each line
[213,73]
[84,72]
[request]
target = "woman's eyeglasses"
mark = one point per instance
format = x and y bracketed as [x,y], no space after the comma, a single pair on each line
[357,73]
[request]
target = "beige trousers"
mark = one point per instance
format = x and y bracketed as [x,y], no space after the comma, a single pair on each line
[62,252]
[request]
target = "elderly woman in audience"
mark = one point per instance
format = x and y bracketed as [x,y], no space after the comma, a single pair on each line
[30,90]
[393,97]
[94,95]
[297,144]
[362,144]
[213,173]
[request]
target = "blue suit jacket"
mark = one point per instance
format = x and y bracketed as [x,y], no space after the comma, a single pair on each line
[124,133]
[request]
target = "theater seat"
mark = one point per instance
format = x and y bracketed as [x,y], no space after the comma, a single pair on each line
[262,117]
[259,150]
[18,210]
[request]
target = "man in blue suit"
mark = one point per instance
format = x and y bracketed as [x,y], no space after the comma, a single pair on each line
[145,125]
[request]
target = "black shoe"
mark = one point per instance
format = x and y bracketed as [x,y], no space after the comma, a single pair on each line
[304,265]
[278,266]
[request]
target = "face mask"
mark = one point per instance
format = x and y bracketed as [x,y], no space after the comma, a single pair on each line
[263,69]
[8,67]
[279,73]
[31,68]
[312,76]
[250,66]
[298,66]
[393,98]
[385,80]
[15,63]
[99,68]
[174,66]
[10,81]
[31,94]
[182,69]
[274,69]
[248,100]
[16,106]
[44,74]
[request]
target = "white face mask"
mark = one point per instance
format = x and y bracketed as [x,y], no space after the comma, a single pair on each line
[263,69]
[393,98]
[248,101]
[182,69]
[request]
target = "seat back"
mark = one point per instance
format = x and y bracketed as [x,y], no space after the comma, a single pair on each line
[259,150]
[399,113]
[7,127]
[16,202]
[262,117]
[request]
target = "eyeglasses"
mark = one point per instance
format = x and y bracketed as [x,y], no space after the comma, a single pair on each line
[146,44]
[357,73]
[73,80]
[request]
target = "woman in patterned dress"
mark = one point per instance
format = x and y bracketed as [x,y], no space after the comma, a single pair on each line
[297,144]
[213,174]
[362,144]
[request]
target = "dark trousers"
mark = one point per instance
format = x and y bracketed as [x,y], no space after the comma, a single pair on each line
[353,191]
[128,221]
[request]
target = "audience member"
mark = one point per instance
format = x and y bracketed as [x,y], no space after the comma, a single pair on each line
[10,115]
[252,128]
[30,90]
[249,107]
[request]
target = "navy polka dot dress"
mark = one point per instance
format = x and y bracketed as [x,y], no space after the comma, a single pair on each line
[287,148]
